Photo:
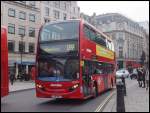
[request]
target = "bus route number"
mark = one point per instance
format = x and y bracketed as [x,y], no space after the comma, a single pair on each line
[70,47]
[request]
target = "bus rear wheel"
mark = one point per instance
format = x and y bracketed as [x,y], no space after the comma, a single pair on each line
[111,85]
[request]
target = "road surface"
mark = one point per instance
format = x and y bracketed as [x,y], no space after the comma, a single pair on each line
[26,101]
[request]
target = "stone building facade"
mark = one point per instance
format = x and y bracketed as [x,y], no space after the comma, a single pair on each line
[22,21]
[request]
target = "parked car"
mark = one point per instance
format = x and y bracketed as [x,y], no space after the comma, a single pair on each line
[122,73]
[134,74]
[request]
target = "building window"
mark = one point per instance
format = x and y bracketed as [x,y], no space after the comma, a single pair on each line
[32,32]
[22,30]
[120,48]
[74,9]
[32,3]
[46,11]
[31,47]
[57,4]
[22,2]
[32,17]
[22,15]
[78,9]
[11,12]
[11,28]
[46,2]
[120,52]
[21,46]
[120,35]
[56,14]
[11,46]
[64,6]
[64,16]
[73,17]
[46,20]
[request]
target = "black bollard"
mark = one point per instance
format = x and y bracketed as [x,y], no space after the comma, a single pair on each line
[120,97]
[124,84]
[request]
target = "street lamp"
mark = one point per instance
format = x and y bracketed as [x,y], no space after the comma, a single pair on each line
[21,52]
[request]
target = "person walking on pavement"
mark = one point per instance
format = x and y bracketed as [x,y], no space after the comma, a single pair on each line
[143,77]
[12,78]
[139,78]
[33,73]
[147,77]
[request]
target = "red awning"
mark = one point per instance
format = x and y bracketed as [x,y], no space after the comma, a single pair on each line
[135,65]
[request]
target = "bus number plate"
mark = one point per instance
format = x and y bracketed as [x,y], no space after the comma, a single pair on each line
[54,96]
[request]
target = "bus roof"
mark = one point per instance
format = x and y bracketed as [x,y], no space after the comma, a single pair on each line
[4,27]
[60,21]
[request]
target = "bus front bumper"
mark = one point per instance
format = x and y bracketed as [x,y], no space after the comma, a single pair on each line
[75,94]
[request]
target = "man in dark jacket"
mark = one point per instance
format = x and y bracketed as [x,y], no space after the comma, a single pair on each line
[139,78]
[143,77]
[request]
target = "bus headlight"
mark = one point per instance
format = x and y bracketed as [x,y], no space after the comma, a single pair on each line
[39,86]
[74,87]
[81,89]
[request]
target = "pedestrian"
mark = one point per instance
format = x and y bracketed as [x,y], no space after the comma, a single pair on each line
[21,76]
[33,73]
[147,77]
[12,78]
[143,77]
[139,78]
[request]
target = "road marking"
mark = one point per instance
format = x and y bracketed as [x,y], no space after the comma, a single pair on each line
[104,102]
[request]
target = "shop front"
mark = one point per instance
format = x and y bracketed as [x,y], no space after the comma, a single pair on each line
[22,70]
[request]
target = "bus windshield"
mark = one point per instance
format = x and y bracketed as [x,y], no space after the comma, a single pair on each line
[58,69]
[58,52]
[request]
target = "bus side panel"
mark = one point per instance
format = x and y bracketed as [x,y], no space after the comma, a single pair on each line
[4,75]
[100,82]
[4,64]
[80,57]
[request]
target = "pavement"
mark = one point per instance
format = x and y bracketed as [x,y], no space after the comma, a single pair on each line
[26,101]
[136,100]
[20,86]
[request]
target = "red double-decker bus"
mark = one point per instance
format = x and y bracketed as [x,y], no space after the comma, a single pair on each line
[74,61]
[4,62]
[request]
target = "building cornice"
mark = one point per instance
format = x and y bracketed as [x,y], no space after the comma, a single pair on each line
[22,5]
[123,31]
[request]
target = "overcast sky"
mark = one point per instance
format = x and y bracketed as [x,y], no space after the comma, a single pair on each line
[135,10]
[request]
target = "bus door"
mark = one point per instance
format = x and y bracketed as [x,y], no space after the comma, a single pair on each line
[105,75]
[86,76]
[105,79]
[108,69]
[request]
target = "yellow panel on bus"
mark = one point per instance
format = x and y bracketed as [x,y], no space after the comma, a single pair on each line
[103,52]
[82,63]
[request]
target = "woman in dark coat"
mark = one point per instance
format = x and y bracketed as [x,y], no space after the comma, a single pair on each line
[139,78]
